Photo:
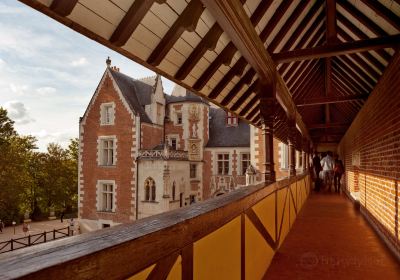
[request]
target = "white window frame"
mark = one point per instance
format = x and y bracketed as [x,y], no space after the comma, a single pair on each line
[226,163]
[100,150]
[284,156]
[100,196]
[105,118]
[243,172]
[231,119]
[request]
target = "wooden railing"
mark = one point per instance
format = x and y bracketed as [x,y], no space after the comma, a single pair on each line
[33,239]
[233,236]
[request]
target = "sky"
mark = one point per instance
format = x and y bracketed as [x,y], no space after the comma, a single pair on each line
[48,73]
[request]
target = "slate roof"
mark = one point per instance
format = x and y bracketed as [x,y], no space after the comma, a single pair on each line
[224,136]
[190,96]
[137,93]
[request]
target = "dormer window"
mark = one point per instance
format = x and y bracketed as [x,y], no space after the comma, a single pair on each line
[231,119]
[107,113]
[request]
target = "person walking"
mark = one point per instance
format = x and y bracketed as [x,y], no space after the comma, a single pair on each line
[327,164]
[25,228]
[72,226]
[338,171]
[317,169]
[1,226]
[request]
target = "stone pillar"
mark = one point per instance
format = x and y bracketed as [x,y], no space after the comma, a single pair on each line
[267,97]
[304,155]
[292,144]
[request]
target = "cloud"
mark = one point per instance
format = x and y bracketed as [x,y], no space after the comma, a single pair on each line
[18,89]
[79,62]
[45,91]
[60,137]
[18,112]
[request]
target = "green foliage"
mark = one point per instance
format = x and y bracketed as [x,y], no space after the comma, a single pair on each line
[32,181]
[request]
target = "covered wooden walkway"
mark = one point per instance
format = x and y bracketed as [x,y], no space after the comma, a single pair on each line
[331,240]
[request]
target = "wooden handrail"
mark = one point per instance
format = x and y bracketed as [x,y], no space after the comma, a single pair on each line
[123,250]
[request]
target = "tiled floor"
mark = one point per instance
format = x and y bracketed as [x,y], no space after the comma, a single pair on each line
[331,240]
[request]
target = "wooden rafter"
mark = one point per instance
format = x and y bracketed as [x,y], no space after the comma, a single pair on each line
[367,85]
[344,60]
[338,49]
[368,56]
[367,22]
[330,125]
[286,27]
[384,12]
[209,42]
[63,7]
[131,21]
[245,96]
[278,14]
[305,38]
[246,79]
[225,57]
[186,21]
[360,34]
[331,99]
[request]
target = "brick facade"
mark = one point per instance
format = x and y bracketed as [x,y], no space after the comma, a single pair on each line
[371,153]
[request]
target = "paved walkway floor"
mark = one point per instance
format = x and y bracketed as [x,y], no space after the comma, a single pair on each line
[35,227]
[331,240]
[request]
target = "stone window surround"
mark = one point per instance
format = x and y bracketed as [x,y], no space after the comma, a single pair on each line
[100,150]
[240,160]
[99,198]
[103,107]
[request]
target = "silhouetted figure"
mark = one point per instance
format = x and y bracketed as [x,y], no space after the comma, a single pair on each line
[317,169]
[327,164]
[338,171]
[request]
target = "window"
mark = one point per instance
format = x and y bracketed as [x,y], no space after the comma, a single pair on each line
[245,161]
[173,191]
[193,171]
[107,197]
[173,143]
[150,190]
[299,159]
[223,164]
[284,159]
[192,198]
[231,119]
[107,152]
[107,112]
[178,118]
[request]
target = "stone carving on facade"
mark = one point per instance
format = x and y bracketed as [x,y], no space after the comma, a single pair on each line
[163,154]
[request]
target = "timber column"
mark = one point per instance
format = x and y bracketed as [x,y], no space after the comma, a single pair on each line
[267,111]
[292,144]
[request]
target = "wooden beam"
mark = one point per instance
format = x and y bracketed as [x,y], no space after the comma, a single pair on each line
[131,21]
[277,15]
[366,21]
[63,7]
[338,49]
[233,19]
[359,79]
[245,96]
[246,79]
[236,70]
[186,21]
[384,12]
[225,57]
[360,34]
[209,42]
[330,99]
[283,31]
[328,125]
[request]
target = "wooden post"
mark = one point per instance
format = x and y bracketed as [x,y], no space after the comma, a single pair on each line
[54,234]
[12,244]
[267,94]
[29,240]
[44,237]
[292,144]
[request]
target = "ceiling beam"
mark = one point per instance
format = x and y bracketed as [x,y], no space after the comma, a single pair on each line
[245,80]
[330,99]
[338,49]
[131,21]
[209,42]
[186,21]
[63,7]
[383,12]
[326,125]
[252,88]
[233,19]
